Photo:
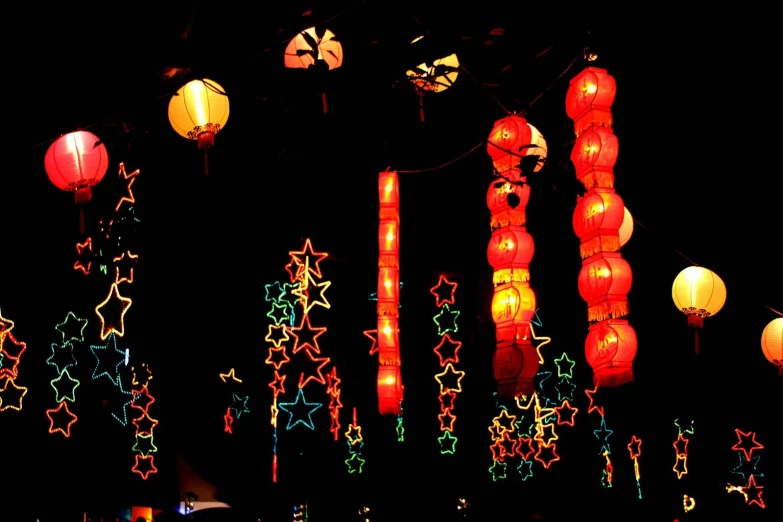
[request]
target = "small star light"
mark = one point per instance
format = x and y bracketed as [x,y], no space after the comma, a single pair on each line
[746,443]
[565,366]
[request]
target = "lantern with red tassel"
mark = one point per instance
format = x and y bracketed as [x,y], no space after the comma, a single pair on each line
[76,162]
[610,349]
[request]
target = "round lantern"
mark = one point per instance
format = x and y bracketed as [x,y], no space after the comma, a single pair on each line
[610,348]
[596,220]
[589,99]
[501,212]
[438,76]
[698,293]
[514,366]
[513,307]
[626,228]
[76,162]
[308,48]
[509,252]
[389,390]
[504,142]
[198,111]
[772,343]
[604,282]
[539,148]
[596,149]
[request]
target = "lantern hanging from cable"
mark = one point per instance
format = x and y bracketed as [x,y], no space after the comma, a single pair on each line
[199,110]
[698,293]
[315,49]
[436,76]
[772,343]
[76,162]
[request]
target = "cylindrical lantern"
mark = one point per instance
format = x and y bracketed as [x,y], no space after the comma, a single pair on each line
[604,282]
[514,365]
[509,252]
[389,390]
[388,290]
[626,228]
[388,241]
[597,219]
[513,307]
[199,110]
[595,149]
[501,213]
[388,340]
[772,343]
[389,195]
[589,99]
[505,140]
[610,348]
[698,293]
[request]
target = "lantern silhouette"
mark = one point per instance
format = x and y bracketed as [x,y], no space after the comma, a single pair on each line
[389,389]
[698,293]
[604,282]
[610,348]
[514,365]
[76,162]
[502,214]
[626,228]
[589,99]
[596,221]
[509,252]
[772,343]
[433,77]
[314,49]
[199,110]
[513,307]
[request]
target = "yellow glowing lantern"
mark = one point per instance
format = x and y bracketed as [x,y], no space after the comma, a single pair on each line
[309,48]
[626,228]
[772,343]
[433,77]
[698,293]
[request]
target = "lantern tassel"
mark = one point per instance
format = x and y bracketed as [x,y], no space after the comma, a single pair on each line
[323,102]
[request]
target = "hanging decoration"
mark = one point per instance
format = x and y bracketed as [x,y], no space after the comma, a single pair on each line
[635,449]
[355,441]
[436,76]
[747,469]
[316,49]
[76,162]
[681,449]
[698,293]
[11,350]
[199,110]
[605,278]
[144,447]
[772,343]
[447,351]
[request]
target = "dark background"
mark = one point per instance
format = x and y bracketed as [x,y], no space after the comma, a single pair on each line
[697,169]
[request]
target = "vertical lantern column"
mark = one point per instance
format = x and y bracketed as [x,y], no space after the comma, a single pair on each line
[605,278]
[510,250]
[389,376]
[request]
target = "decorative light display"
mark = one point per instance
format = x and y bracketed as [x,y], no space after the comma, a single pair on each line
[11,350]
[123,269]
[389,383]
[355,441]
[85,256]
[698,293]
[142,399]
[316,49]
[64,386]
[605,278]
[111,312]
[688,503]
[300,411]
[747,469]
[635,449]
[231,375]
[61,419]
[681,449]
[772,343]
[108,359]
[72,328]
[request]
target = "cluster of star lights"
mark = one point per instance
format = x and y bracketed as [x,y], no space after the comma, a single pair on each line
[64,362]
[11,350]
[745,446]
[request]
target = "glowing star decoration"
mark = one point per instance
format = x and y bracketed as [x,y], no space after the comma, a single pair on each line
[680,466]
[504,421]
[119,403]
[607,473]
[497,470]
[447,351]
[61,419]
[747,468]
[277,357]
[142,376]
[314,371]
[123,269]
[373,336]
[144,445]
[447,420]
[444,292]
[547,454]
[452,378]
[108,359]
[144,466]
[635,449]
[306,336]
[278,313]
[6,325]
[129,198]
[565,366]
[525,469]
[592,407]
[309,260]
[72,328]
[688,503]
[64,387]
[11,349]
[85,256]
[62,357]
[746,443]
[144,424]
[355,463]
[565,389]
[239,405]
[525,447]
[230,375]
[305,292]
[446,320]
[11,395]
[142,399]
[446,400]
[545,434]
[354,434]
[681,445]
[228,422]
[277,335]
[274,292]
[400,430]
[603,434]
[278,384]
[300,411]
[544,341]
[447,443]
[753,493]
[566,414]
[111,312]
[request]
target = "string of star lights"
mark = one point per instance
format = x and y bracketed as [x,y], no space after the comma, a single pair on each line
[355,441]
[144,446]
[747,469]
[11,350]
[447,351]
[635,449]
[681,449]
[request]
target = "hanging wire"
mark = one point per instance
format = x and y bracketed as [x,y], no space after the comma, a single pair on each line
[450,162]
[580,55]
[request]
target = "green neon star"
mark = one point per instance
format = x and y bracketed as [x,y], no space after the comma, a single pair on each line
[565,366]
[65,386]
[448,443]
[72,328]
[524,427]
[400,429]
[446,320]
[498,470]
[355,463]
[278,313]
[144,445]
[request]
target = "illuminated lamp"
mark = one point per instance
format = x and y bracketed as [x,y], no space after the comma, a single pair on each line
[698,293]
[388,242]
[596,220]
[388,340]
[509,252]
[513,307]
[309,47]
[199,110]
[501,213]
[595,150]
[433,77]
[76,162]
[604,282]
[514,365]
[505,142]
[389,389]
[388,290]
[772,343]
[610,348]
[626,228]
[389,195]
[589,99]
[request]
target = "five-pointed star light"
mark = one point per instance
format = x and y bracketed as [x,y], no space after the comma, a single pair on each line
[448,443]
[111,312]
[230,375]
[565,366]
[228,422]
[446,320]
[525,469]
[681,445]
[524,426]
[565,389]
[61,419]
[602,434]
[498,470]
[142,399]
[129,198]
[525,447]
[447,400]
[84,256]
[444,291]
[312,293]
[123,267]
[545,433]
[144,466]
[141,376]
[144,424]
[278,384]
[547,454]
[277,334]
[505,421]
[6,325]
[681,466]
[635,447]
[314,367]
[12,351]
[446,420]
[309,259]
[354,434]
[108,359]
[592,407]
[400,429]
[278,313]
[746,443]
[448,350]
[300,411]
[450,380]
[306,336]
[239,405]
[11,395]
[355,463]
[544,341]
[566,414]
[277,357]
[64,386]
[144,445]
[753,493]
[274,292]
[72,328]
[373,336]
[62,357]
[333,383]
[747,468]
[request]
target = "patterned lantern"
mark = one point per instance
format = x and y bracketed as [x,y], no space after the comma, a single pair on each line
[389,389]
[595,149]
[514,365]
[604,282]
[76,162]
[506,140]
[610,348]
[513,307]
[589,99]
[698,293]
[509,252]
[772,343]
[597,220]
[501,213]
[388,290]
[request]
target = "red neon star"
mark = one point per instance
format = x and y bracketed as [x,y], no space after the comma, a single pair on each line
[308,259]
[332,383]
[753,493]
[448,350]
[315,372]
[228,421]
[591,395]
[566,414]
[142,399]
[306,337]
[79,263]
[444,291]
[373,336]
[278,384]
[144,466]
[11,350]
[746,443]
[57,416]
[277,357]
[635,447]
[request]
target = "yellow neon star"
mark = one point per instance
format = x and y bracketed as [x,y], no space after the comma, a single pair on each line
[304,293]
[450,369]
[546,340]
[118,329]
[230,375]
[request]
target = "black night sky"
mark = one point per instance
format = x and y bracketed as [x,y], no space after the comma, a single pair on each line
[697,168]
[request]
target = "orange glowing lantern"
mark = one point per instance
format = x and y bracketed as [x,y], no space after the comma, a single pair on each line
[433,77]
[388,340]
[501,212]
[199,110]
[595,149]
[597,220]
[389,390]
[772,343]
[698,293]
[604,282]
[388,241]
[314,49]
[589,99]
[514,365]
[610,348]
[389,195]
[509,252]
[76,162]
[513,307]
[626,228]
[388,290]
[506,141]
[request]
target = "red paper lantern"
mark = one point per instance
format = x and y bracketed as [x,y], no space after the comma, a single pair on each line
[589,99]
[389,389]
[388,242]
[388,340]
[509,252]
[501,213]
[610,348]
[597,220]
[505,139]
[513,307]
[604,282]
[595,149]
[514,365]
[388,290]
[389,195]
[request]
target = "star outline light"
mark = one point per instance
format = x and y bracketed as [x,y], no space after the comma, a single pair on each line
[70,317]
[450,370]
[119,329]
[448,286]
[300,400]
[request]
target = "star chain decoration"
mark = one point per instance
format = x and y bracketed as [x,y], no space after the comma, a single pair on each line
[64,387]
[446,320]
[635,447]
[443,291]
[84,256]
[144,445]
[142,399]
[123,267]
[278,384]
[602,434]
[452,378]
[355,463]
[72,328]
[447,351]
[298,410]
[111,312]
[277,357]
[566,414]
[12,351]
[278,313]
[144,466]
[144,424]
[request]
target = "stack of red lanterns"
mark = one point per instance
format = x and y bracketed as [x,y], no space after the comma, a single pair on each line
[605,278]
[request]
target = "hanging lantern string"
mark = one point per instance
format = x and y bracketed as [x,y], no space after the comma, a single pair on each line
[450,162]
